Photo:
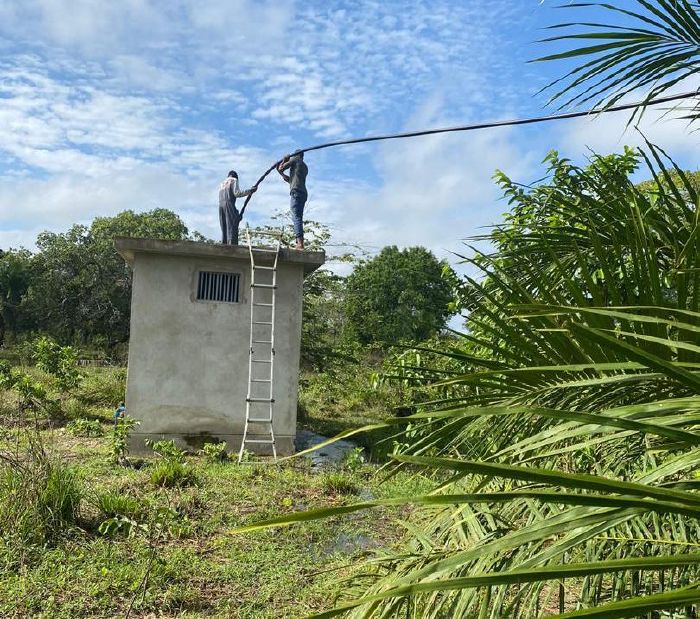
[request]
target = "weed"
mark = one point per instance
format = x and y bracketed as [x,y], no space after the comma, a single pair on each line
[120,438]
[354,460]
[167,450]
[102,387]
[170,473]
[39,501]
[74,409]
[339,483]
[214,452]
[85,427]
[112,503]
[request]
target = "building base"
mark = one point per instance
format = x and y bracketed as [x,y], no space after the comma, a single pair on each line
[194,442]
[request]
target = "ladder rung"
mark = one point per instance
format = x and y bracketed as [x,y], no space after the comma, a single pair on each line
[260,399]
[266,420]
[258,322]
[261,440]
[263,285]
[264,268]
[260,380]
[263,304]
[261,360]
[262,341]
[264,251]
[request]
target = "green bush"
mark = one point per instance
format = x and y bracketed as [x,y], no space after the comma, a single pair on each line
[169,473]
[85,427]
[59,361]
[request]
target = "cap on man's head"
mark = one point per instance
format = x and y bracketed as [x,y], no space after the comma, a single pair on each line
[233,173]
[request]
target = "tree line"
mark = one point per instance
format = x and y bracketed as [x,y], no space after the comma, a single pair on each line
[76,288]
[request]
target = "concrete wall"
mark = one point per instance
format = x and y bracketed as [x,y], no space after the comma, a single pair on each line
[188,359]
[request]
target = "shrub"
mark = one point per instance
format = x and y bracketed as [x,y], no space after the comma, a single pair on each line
[85,427]
[59,361]
[170,473]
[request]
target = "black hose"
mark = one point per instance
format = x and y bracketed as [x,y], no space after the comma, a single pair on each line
[486,125]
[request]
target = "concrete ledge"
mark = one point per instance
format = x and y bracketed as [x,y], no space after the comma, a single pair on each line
[194,442]
[128,247]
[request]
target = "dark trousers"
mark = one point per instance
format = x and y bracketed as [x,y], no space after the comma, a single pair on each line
[230,219]
[297,202]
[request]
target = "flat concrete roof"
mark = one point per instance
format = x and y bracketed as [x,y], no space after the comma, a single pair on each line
[128,248]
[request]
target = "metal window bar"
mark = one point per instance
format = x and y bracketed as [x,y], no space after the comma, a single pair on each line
[259,408]
[218,286]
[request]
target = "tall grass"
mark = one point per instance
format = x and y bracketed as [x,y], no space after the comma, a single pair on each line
[39,502]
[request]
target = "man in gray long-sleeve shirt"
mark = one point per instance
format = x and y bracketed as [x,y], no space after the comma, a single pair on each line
[229,217]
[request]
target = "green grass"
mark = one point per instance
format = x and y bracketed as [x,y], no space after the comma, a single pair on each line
[345,399]
[199,568]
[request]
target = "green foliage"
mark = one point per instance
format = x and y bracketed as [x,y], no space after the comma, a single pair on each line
[102,387]
[354,460]
[85,428]
[119,445]
[15,276]
[39,502]
[398,296]
[80,287]
[215,452]
[173,473]
[567,444]
[166,449]
[656,49]
[59,361]
[32,397]
[336,482]
[113,503]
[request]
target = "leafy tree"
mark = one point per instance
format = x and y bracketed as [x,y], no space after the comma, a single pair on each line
[15,276]
[80,286]
[399,296]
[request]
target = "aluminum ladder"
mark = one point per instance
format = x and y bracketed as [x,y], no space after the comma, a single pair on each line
[261,358]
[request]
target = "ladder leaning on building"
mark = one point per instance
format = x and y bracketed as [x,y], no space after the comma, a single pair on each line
[260,399]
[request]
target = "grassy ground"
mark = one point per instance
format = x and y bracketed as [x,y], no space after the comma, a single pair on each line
[180,559]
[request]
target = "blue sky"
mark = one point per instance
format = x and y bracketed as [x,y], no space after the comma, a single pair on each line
[137,104]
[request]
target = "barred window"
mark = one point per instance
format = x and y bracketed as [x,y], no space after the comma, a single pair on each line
[217,286]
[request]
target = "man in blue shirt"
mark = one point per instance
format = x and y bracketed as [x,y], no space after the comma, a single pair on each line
[297,191]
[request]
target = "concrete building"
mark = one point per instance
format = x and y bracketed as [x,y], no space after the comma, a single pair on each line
[189,343]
